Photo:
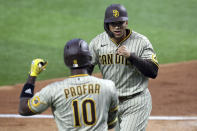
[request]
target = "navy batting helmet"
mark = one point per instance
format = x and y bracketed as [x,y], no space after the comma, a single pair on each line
[114,13]
[76,54]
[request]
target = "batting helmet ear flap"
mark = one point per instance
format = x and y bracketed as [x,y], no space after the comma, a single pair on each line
[106,27]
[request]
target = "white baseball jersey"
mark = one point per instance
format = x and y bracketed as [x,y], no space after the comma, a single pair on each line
[127,78]
[80,102]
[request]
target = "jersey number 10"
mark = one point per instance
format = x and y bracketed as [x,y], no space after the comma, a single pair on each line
[84,104]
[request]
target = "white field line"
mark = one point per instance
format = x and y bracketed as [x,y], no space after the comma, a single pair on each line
[173,118]
[19,116]
[150,118]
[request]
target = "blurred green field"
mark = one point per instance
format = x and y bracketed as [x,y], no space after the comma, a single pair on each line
[39,28]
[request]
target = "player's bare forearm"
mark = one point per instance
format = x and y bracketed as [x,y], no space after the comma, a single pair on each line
[23,107]
[26,94]
[37,66]
[31,80]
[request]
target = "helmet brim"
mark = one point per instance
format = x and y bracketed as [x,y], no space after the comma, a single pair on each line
[109,20]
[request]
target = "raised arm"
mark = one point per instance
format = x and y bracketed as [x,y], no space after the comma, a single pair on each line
[37,66]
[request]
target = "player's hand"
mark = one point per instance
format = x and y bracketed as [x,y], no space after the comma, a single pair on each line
[37,66]
[122,50]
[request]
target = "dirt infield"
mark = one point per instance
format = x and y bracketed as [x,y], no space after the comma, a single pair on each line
[174,93]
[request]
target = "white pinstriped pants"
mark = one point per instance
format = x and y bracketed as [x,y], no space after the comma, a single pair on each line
[133,113]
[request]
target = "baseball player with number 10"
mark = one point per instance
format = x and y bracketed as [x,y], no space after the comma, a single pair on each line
[127,58]
[81,102]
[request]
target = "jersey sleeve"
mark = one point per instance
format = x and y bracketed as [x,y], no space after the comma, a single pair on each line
[93,51]
[148,52]
[112,115]
[41,100]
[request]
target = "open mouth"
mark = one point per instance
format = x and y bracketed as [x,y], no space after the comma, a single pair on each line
[117,32]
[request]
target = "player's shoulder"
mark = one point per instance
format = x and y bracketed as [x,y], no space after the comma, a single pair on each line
[138,36]
[101,80]
[107,84]
[56,84]
[99,37]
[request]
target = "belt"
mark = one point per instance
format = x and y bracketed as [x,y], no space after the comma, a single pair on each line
[123,98]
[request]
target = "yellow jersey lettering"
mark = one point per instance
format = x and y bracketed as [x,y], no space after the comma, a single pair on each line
[110,58]
[121,59]
[66,91]
[117,59]
[100,60]
[84,89]
[104,59]
[90,89]
[72,90]
[97,89]
[79,90]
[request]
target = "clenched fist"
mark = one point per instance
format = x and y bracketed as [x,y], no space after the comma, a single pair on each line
[37,66]
[122,50]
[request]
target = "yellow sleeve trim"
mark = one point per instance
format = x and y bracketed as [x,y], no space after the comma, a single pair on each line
[154,60]
[155,63]
[115,120]
[30,107]
[114,109]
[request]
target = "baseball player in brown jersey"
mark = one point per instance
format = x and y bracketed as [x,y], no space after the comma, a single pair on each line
[127,58]
[80,102]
